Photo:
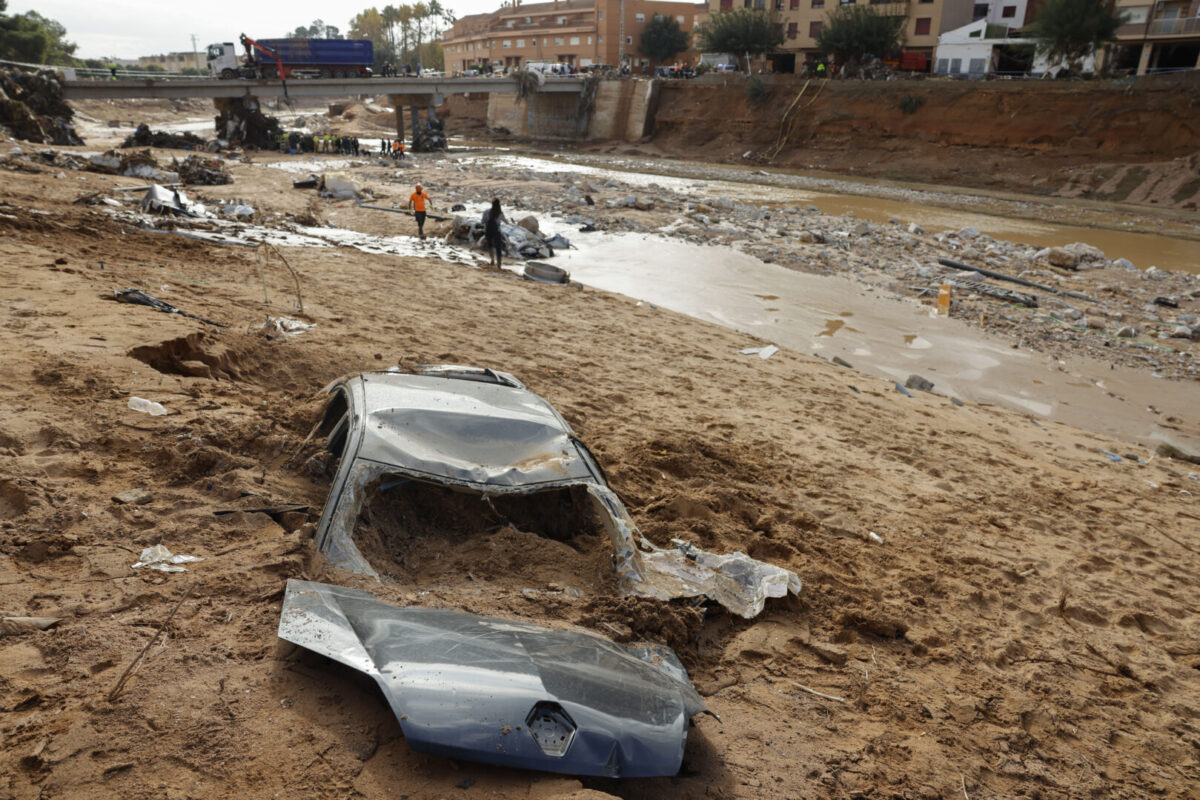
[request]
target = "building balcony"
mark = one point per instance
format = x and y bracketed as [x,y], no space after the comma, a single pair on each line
[1175,27]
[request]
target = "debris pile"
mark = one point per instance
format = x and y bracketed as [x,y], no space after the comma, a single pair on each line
[198,170]
[32,108]
[140,164]
[519,240]
[144,137]
[241,122]
[429,136]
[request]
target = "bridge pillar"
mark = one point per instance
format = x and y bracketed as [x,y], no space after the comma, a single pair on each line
[423,136]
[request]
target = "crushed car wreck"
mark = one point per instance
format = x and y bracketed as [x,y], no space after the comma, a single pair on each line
[503,691]
[445,454]
[479,431]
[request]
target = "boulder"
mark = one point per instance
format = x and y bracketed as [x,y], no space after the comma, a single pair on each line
[1058,257]
[529,223]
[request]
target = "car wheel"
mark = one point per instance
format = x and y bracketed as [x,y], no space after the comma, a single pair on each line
[227,74]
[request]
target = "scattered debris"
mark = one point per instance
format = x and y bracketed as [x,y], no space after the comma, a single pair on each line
[159,558]
[14,625]
[764,352]
[841,362]
[134,497]
[241,123]
[1178,452]
[144,137]
[284,326]
[339,186]
[312,181]
[140,164]
[901,389]
[201,170]
[138,297]
[159,199]
[146,407]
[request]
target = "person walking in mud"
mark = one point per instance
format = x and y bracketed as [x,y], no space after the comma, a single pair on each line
[491,232]
[418,201]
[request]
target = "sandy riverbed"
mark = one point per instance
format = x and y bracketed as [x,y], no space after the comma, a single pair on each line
[1026,628]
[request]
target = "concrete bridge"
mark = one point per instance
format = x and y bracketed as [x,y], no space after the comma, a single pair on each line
[235,97]
[434,88]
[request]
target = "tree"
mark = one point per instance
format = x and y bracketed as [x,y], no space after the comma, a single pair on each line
[34,39]
[744,30]
[1071,30]
[851,32]
[318,30]
[369,24]
[662,39]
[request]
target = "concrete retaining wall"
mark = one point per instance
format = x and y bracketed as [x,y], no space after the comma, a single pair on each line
[624,111]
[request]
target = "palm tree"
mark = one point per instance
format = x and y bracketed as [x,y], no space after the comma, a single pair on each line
[404,17]
[391,16]
[420,14]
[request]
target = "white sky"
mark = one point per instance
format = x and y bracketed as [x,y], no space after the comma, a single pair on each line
[132,28]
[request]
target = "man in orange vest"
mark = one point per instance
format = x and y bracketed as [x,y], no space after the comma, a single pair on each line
[417,202]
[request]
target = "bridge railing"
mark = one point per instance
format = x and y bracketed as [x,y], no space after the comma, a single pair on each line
[99,74]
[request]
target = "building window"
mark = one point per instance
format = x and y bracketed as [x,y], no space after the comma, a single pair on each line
[793,5]
[981,11]
[818,3]
[1009,12]
[511,22]
[845,2]
[793,30]
[599,15]
[589,40]
[680,19]
[574,40]
[814,29]
[922,27]
[726,5]
[628,40]
[507,43]
[558,41]
[562,20]
[599,40]
[520,42]
[639,17]
[528,20]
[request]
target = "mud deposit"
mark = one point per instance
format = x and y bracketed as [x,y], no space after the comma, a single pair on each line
[1022,622]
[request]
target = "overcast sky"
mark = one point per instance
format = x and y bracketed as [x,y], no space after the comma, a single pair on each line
[132,28]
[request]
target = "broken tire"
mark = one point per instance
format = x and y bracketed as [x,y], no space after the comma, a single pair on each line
[546,273]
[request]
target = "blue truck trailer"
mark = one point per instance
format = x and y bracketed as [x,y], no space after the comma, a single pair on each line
[293,58]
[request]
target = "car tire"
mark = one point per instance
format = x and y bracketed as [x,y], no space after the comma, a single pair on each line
[228,74]
[546,273]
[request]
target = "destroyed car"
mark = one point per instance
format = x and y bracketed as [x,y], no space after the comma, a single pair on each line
[481,432]
[445,447]
[504,691]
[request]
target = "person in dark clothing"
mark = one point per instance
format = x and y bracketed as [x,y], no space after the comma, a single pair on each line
[491,232]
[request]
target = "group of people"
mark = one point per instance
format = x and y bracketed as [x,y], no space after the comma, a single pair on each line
[304,143]
[419,203]
[392,147]
[389,70]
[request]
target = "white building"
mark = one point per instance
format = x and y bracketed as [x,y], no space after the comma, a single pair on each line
[989,48]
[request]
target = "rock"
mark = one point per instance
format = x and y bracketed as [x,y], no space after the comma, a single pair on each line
[1166,302]
[829,652]
[1178,452]
[133,497]
[1154,274]
[810,237]
[1123,263]
[529,223]
[1186,319]
[1127,332]
[643,204]
[723,203]
[1095,323]
[919,383]
[1057,256]
[968,233]
[862,228]
[1085,253]
[1072,313]
[458,207]
[1185,332]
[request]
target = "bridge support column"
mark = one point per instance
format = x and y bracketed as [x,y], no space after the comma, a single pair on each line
[425,135]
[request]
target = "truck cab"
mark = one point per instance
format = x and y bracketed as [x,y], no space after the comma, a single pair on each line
[223,60]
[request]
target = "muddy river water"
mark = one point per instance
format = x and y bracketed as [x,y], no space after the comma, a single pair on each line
[879,202]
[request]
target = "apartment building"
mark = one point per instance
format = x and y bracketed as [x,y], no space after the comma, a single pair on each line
[582,33]
[802,20]
[1162,36]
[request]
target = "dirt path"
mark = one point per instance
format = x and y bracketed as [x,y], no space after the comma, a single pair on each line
[1027,626]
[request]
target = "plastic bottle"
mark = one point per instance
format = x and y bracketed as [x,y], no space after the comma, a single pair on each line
[147,406]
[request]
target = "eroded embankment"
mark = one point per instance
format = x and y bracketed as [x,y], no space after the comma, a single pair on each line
[1077,138]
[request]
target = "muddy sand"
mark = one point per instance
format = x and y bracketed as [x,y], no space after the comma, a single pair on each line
[1023,623]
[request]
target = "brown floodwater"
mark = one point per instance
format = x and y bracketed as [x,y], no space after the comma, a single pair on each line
[933,208]
[891,338]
